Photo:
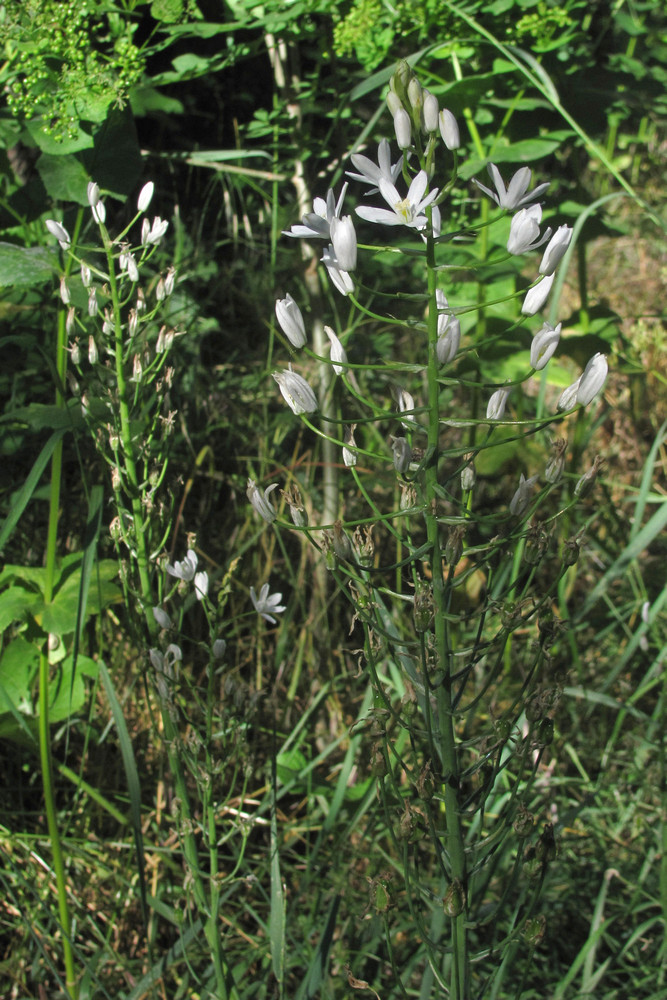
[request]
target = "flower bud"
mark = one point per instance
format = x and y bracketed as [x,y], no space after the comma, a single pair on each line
[92,351]
[160,293]
[260,501]
[296,392]
[403,129]
[449,129]
[137,369]
[537,296]
[587,481]
[161,617]
[132,269]
[341,543]
[568,397]
[69,322]
[219,647]
[337,352]
[521,499]
[402,454]
[556,463]
[169,280]
[291,321]
[86,276]
[64,291]
[393,103]
[344,242]
[415,96]
[93,193]
[349,456]
[555,250]
[496,406]
[58,230]
[544,344]
[454,900]
[430,112]
[468,476]
[76,353]
[92,301]
[592,379]
[145,196]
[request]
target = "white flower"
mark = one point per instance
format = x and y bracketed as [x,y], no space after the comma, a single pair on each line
[449,331]
[537,296]
[165,664]
[132,269]
[521,498]
[404,211]
[267,604]
[93,192]
[555,250]
[60,233]
[201,585]
[154,233]
[568,397]
[219,647]
[405,403]
[184,570]
[337,352]
[344,242]
[497,403]
[99,213]
[449,129]
[317,224]
[260,501]
[370,173]
[430,112]
[296,392]
[402,453]
[340,278]
[525,231]
[349,456]
[514,196]
[291,321]
[544,344]
[161,617]
[145,196]
[592,379]
[403,129]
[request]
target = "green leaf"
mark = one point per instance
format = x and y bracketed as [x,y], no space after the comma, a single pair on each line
[115,160]
[25,266]
[67,689]
[168,11]
[18,667]
[58,147]
[64,177]
[21,499]
[16,603]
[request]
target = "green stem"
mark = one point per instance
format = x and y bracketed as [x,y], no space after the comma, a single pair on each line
[448,754]
[45,755]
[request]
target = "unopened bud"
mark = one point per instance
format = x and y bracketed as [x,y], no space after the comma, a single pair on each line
[86,276]
[133,322]
[160,293]
[76,353]
[69,322]
[430,112]
[587,481]
[468,476]
[137,369]
[169,280]
[454,545]
[556,463]
[92,351]
[349,456]
[402,454]
[92,302]
[454,900]
[341,543]
[64,291]
[423,606]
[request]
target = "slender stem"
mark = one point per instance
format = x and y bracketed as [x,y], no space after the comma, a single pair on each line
[448,755]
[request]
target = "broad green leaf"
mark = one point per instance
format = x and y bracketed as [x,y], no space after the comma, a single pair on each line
[67,690]
[115,160]
[65,178]
[58,147]
[24,266]
[167,11]
[40,416]
[18,666]
[16,603]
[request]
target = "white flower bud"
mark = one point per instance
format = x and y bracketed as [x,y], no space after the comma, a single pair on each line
[393,102]
[260,501]
[169,280]
[537,296]
[86,276]
[132,269]
[92,350]
[415,94]
[592,379]
[337,352]
[495,409]
[76,353]
[555,250]
[64,291]
[99,213]
[93,193]
[568,397]
[69,322]
[344,241]
[430,112]
[60,233]
[402,454]
[291,321]
[219,647]
[201,585]
[403,128]
[162,618]
[449,129]
[296,392]
[521,499]
[145,196]
[544,344]
[349,456]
